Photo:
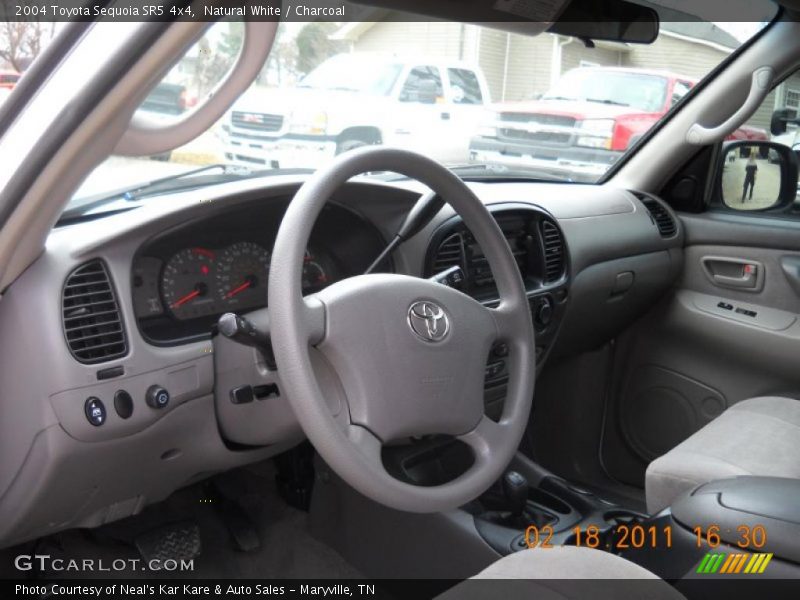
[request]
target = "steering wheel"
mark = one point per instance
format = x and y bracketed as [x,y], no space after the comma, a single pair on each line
[409,353]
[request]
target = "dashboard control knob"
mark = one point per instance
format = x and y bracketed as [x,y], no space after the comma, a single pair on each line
[156,397]
[544,313]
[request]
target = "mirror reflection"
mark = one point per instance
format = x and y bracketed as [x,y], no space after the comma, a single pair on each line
[751,177]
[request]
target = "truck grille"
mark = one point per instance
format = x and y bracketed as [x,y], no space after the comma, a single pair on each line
[545,121]
[263,122]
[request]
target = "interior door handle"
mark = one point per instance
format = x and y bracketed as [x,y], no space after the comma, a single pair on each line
[748,280]
[737,273]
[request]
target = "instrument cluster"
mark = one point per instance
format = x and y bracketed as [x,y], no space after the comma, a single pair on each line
[184,279]
[198,282]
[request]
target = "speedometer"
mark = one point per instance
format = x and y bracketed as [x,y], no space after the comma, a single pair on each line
[187,283]
[242,272]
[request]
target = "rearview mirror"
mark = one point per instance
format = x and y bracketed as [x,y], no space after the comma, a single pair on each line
[612,20]
[757,175]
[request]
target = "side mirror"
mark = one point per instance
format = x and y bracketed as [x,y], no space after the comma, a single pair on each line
[757,175]
[427,92]
[780,119]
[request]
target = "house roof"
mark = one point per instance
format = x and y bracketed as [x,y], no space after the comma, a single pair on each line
[694,31]
[701,31]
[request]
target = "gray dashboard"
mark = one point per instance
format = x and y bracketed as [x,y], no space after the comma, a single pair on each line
[60,469]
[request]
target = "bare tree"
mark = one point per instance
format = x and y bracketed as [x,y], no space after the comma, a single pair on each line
[22,41]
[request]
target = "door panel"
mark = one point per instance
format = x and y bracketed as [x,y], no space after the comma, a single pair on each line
[730,330]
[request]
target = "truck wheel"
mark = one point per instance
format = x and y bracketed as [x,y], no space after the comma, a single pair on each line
[350,144]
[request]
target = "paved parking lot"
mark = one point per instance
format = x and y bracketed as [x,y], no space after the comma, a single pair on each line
[765,191]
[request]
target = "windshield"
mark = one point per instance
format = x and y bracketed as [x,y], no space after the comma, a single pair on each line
[364,76]
[482,100]
[635,90]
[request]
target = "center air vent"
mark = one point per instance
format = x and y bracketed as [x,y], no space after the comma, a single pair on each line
[553,252]
[449,253]
[661,216]
[91,317]
[536,243]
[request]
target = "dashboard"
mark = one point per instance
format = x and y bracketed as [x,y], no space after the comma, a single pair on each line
[184,279]
[138,384]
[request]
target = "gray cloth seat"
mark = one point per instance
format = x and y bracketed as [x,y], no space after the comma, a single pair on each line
[759,436]
[563,572]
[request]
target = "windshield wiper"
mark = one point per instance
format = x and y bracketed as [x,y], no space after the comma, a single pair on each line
[171,183]
[607,101]
[148,187]
[480,171]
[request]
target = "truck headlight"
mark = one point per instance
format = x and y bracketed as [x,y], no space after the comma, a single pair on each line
[595,133]
[315,124]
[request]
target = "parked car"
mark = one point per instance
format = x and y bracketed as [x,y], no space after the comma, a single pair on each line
[8,79]
[360,99]
[585,122]
[168,98]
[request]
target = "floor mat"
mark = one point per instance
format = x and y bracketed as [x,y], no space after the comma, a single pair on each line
[287,548]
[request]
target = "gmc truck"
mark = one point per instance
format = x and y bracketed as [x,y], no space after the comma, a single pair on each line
[360,99]
[581,126]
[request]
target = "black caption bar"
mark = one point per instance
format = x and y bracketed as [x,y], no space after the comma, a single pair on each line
[586,11]
[397,589]
[180,10]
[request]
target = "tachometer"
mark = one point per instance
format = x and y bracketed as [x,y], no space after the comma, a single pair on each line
[242,273]
[187,283]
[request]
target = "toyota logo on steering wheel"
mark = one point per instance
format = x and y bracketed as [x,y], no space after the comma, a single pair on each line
[428,320]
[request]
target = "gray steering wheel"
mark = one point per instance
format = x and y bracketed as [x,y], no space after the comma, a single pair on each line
[409,353]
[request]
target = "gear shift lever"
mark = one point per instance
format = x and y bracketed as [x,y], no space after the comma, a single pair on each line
[515,489]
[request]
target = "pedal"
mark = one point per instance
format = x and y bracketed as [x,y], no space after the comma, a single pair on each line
[175,541]
[243,532]
[226,492]
[295,476]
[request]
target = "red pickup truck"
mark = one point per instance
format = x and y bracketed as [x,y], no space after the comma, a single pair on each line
[580,127]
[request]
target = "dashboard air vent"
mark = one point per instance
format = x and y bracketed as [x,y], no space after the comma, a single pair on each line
[553,252]
[91,316]
[663,220]
[448,254]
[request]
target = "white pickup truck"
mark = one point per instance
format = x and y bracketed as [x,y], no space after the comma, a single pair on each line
[359,99]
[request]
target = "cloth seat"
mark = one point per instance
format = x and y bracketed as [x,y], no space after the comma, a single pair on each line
[759,436]
[562,572]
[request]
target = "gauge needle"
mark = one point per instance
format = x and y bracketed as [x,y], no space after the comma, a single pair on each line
[185,299]
[238,289]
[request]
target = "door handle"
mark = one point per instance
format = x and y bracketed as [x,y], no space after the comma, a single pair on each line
[738,273]
[445,116]
[747,280]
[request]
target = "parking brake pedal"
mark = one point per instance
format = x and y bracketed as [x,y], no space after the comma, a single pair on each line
[175,541]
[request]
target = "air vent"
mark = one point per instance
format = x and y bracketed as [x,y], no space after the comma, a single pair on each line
[553,252]
[448,254]
[663,220]
[91,317]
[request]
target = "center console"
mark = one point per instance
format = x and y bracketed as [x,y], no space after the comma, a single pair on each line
[530,507]
[732,527]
